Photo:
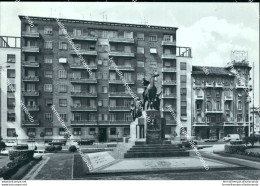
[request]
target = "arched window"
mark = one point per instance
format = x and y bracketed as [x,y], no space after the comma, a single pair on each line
[209,105]
[239,105]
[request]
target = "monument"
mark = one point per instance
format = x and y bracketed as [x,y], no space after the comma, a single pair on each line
[147,131]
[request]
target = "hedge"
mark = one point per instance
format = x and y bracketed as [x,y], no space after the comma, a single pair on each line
[24,154]
[235,149]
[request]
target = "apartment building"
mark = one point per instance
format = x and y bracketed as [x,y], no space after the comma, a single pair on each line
[97,106]
[220,103]
[10,86]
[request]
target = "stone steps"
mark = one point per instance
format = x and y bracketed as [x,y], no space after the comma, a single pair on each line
[156,154]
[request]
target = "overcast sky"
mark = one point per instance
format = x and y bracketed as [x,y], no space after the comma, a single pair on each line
[213,30]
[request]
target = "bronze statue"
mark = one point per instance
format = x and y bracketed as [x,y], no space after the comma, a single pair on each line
[149,93]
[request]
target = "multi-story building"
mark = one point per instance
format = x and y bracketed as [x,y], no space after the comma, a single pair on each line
[10,86]
[220,101]
[52,74]
[255,119]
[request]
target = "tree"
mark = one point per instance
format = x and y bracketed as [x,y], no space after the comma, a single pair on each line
[15,136]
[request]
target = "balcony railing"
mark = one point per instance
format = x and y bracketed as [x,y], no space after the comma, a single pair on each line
[209,84]
[119,81]
[30,49]
[30,93]
[83,108]
[84,122]
[85,52]
[119,122]
[167,109]
[229,123]
[29,123]
[228,98]
[81,66]
[243,86]
[33,108]
[121,40]
[119,94]
[119,108]
[82,80]
[169,69]
[214,111]
[83,94]
[83,38]
[169,82]
[183,52]
[30,78]
[199,97]
[125,68]
[34,64]
[169,56]
[121,54]
[170,95]
[30,34]
[169,43]
[219,85]
[170,122]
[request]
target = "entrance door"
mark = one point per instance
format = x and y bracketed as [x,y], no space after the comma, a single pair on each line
[218,133]
[102,134]
[208,132]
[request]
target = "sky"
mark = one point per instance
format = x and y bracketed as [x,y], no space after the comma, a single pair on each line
[212,30]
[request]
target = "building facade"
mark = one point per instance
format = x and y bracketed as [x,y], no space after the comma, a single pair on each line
[10,86]
[220,100]
[255,119]
[97,106]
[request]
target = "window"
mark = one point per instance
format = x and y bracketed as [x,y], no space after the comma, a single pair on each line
[112,131]
[100,103]
[63,74]
[239,105]
[153,37]
[63,102]
[10,73]
[105,75]
[218,105]
[63,45]
[64,117]
[198,106]
[11,58]
[168,38]
[128,35]
[77,116]
[112,48]
[10,132]
[104,89]
[92,117]
[140,36]
[61,131]
[63,88]
[127,103]
[183,66]
[209,106]
[10,116]
[92,131]
[31,131]
[77,32]
[48,44]
[47,30]
[153,64]
[140,50]
[208,119]
[105,62]
[48,116]
[140,76]
[183,91]
[63,60]
[47,59]
[127,117]
[11,87]
[153,50]
[47,87]
[61,32]
[140,64]
[76,131]
[239,118]
[112,117]
[126,131]
[48,102]
[48,74]
[48,132]
[10,102]
[217,93]
[183,78]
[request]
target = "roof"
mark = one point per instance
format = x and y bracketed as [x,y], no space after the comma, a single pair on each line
[99,23]
[219,71]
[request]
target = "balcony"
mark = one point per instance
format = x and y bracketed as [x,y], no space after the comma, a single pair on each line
[219,85]
[29,123]
[199,97]
[33,49]
[169,82]
[119,81]
[228,123]
[30,93]
[85,52]
[169,56]
[31,64]
[119,95]
[121,54]
[209,84]
[242,86]
[166,109]
[119,108]
[31,34]
[170,95]
[83,108]
[83,94]
[122,68]
[228,98]
[81,66]
[169,43]
[183,52]
[82,80]
[200,124]
[169,69]
[214,111]
[33,108]
[119,122]
[84,38]
[83,122]
[121,40]
[31,78]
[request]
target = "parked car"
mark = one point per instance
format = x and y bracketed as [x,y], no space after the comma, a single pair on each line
[232,137]
[211,139]
[10,143]
[85,142]
[57,142]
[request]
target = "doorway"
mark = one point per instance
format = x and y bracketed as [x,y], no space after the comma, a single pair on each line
[102,134]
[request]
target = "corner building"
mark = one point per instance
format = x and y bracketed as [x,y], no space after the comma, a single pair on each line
[52,74]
